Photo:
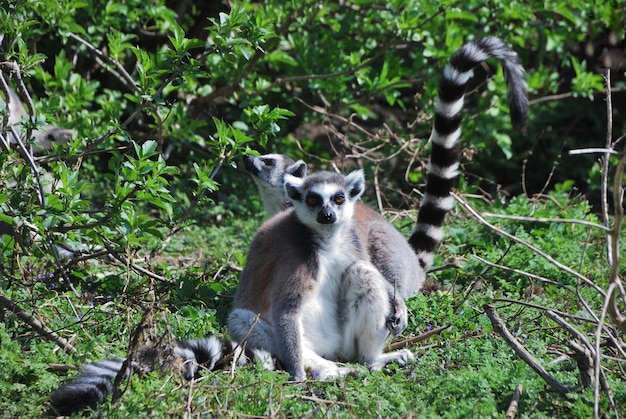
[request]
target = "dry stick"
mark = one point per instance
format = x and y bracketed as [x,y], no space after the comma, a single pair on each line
[121,72]
[415,339]
[379,200]
[535,249]
[189,399]
[510,412]
[612,239]
[545,220]
[500,328]
[592,150]
[133,266]
[604,173]
[618,199]
[527,274]
[35,324]
[542,308]
[582,338]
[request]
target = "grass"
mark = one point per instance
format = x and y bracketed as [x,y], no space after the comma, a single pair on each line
[466,370]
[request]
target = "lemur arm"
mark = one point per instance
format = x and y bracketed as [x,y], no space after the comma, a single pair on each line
[289,336]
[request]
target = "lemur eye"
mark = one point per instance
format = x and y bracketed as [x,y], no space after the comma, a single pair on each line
[268,162]
[339,199]
[312,200]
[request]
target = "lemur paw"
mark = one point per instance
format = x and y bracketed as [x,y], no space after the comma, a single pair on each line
[330,373]
[404,357]
[399,319]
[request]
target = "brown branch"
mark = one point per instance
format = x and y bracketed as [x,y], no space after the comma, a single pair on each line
[500,328]
[35,324]
[405,343]
[604,172]
[510,412]
[121,73]
[133,266]
[593,351]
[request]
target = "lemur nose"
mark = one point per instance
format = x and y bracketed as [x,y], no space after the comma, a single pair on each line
[326,217]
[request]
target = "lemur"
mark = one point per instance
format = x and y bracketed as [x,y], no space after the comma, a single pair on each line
[308,293]
[268,173]
[292,324]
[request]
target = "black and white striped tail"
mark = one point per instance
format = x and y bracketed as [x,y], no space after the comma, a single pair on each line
[443,169]
[95,383]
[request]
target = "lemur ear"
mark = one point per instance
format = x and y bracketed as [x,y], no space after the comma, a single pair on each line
[298,169]
[355,183]
[293,186]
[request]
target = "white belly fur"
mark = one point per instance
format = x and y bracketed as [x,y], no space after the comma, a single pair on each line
[321,331]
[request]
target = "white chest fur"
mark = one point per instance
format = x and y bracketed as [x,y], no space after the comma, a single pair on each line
[321,330]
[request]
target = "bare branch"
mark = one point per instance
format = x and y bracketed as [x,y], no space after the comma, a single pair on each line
[405,343]
[500,328]
[534,248]
[35,324]
[512,410]
[545,220]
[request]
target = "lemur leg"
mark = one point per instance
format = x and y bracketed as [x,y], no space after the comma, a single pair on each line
[366,311]
[248,328]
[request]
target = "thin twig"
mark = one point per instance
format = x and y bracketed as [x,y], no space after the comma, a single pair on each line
[599,379]
[407,342]
[120,73]
[134,267]
[524,273]
[535,249]
[593,150]
[500,328]
[35,324]
[604,171]
[545,220]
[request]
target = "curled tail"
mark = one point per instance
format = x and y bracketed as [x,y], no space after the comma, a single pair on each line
[443,169]
[95,382]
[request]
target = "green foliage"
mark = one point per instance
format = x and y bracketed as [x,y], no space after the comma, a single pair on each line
[143,205]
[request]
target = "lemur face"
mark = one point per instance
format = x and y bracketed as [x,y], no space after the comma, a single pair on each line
[325,198]
[269,170]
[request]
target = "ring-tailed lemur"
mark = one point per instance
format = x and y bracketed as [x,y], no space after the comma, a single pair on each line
[309,279]
[268,173]
[360,276]
[387,249]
